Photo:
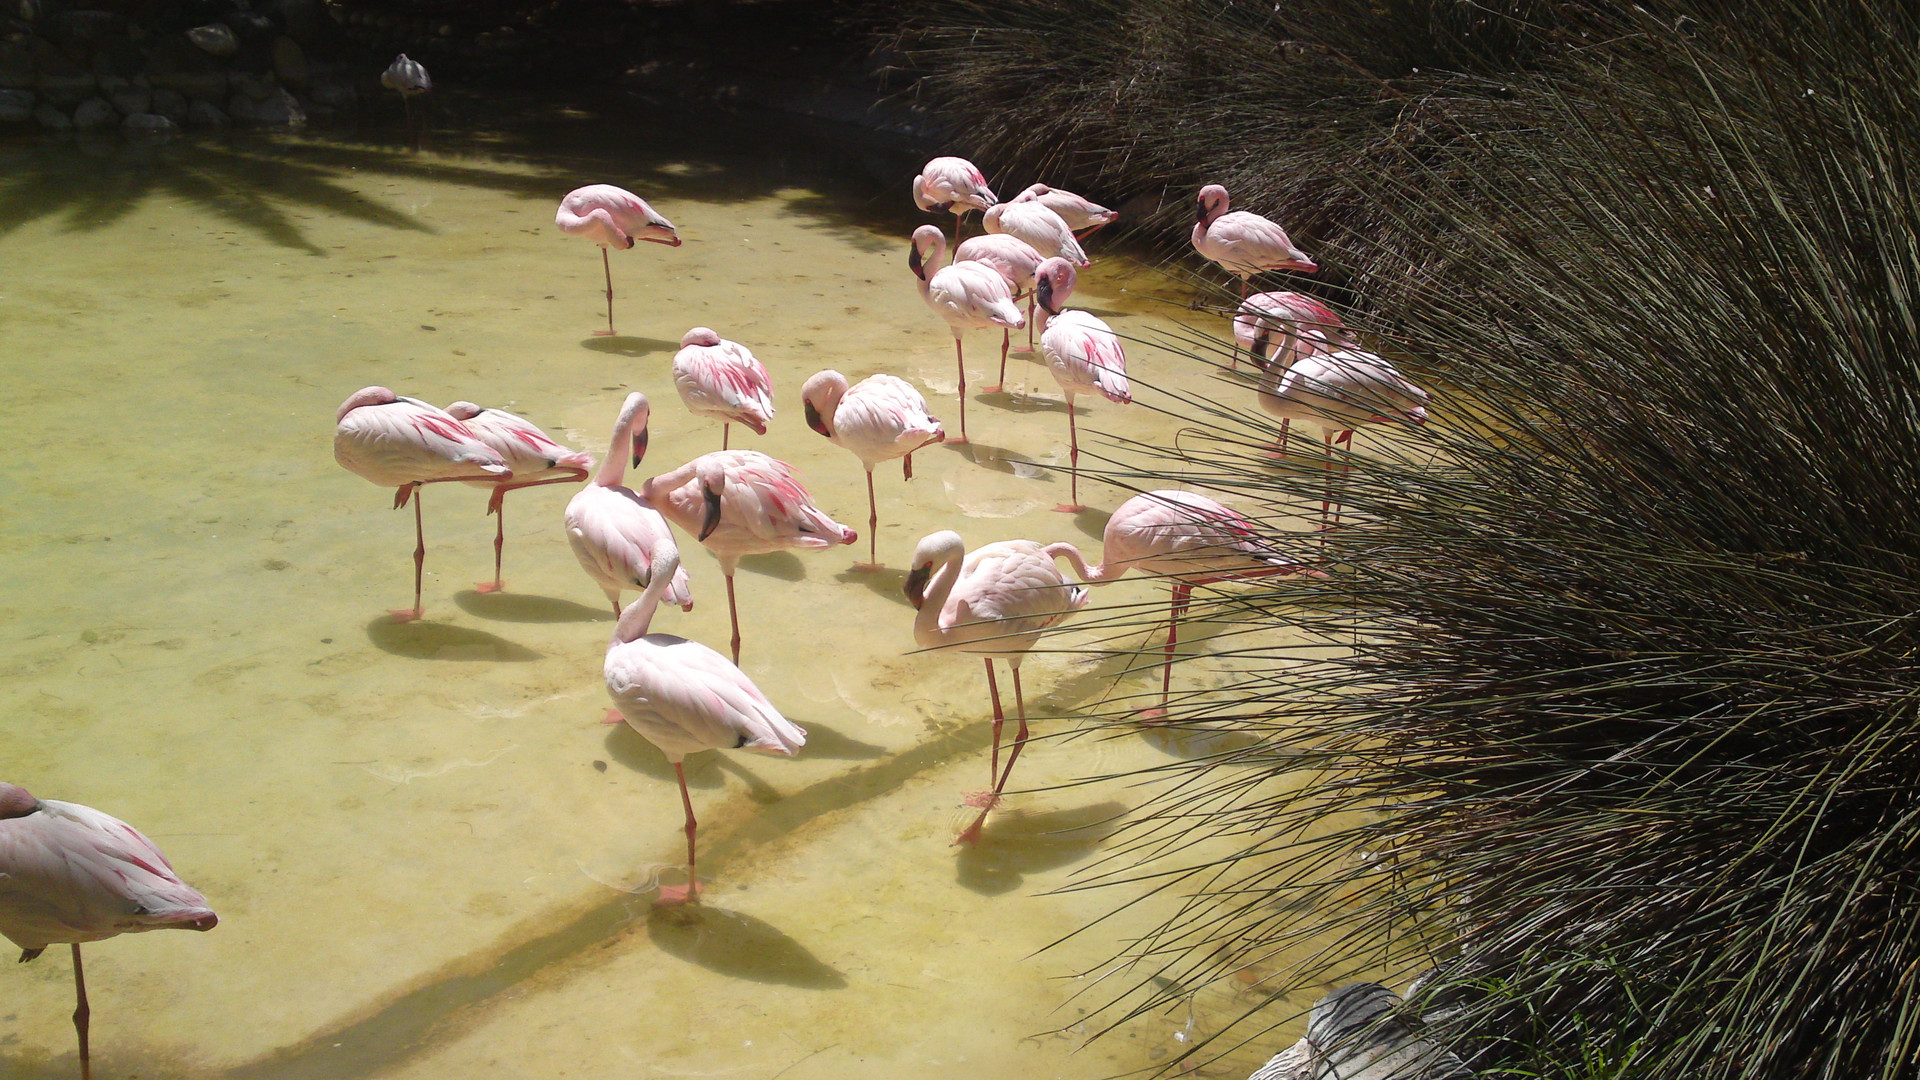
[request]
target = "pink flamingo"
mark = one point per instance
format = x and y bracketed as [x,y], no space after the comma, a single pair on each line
[613,530]
[952,183]
[996,603]
[71,874]
[407,77]
[612,217]
[1187,539]
[1264,315]
[968,295]
[742,502]
[1081,214]
[535,459]
[1033,222]
[880,418]
[402,443]
[1017,261]
[1243,244]
[683,698]
[1339,390]
[1083,353]
[721,379]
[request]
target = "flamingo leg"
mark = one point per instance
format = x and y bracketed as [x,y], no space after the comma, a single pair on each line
[873,525]
[1346,466]
[1182,590]
[406,107]
[672,895]
[1006,337]
[999,719]
[81,1014]
[1073,462]
[419,550]
[1019,738]
[607,265]
[961,355]
[985,800]
[1030,296]
[726,433]
[734,614]
[906,466]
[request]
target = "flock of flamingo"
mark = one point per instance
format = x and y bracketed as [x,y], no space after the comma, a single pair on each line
[70,874]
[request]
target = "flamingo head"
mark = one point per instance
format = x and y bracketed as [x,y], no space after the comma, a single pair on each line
[925,201]
[713,481]
[657,230]
[16,801]
[929,251]
[1213,203]
[1033,192]
[464,410]
[369,395]
[1053,282]
[933,549]
[699,335]
[634,413]
[822,394]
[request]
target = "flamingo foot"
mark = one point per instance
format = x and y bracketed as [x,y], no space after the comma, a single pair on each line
[407,615]
[676,895]
[613,717]
[488,587]
[868,567]
[603,333]
[994,388]
[1154,715]
[1068,508]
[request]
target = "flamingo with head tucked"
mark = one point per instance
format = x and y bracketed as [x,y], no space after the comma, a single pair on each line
[1187,539]
[1339,390]
[613,530]
[994,601]
[70,874]
[952,184]
[1017,261]
[402,443]
[407,78]
[968,295]
[1081,214]
[1033,222]
[1272,326]
[739,503]
[1083,353]
[612,217]
[534,457]
[879,418]
[721,379]
[683,698]
[1244,244]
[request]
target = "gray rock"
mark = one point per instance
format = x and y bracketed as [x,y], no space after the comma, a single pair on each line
[51,118]
[278,110]
[16,106]
[206,114]
[290,63]
[16,66]
[215,39]
[118,57]
[132,101]
[199,85]
[171,104]
[150,124]
[257,87]
[64,90]
[94,114]
[249,25]
[332,91]
[174,53]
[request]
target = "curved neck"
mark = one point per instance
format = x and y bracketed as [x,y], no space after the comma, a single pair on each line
[657,488]
[639,614]
[1079,562]
[614,468]
[926,621]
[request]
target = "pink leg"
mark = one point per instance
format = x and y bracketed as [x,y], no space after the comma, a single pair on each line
[1181,591]
[1073,441]
[1029,327]
[1346,466]
[1019,738]
[726,433]
[419,553]
[674,895]
[607,265]
[985,799]
[734,614]
[1006,336]
[81,1014]
[906,466]
[406,107]
[962,356]
[873,529]
[498,507]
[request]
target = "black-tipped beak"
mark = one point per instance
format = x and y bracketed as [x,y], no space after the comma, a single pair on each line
[914,264]
[815,422]
[639,446]
[916,585]
[1201,218]
[1260,350]
[941,208]
[712,520]
[1043,295]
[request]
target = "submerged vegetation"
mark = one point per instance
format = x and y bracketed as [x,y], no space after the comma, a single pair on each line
[1624,757]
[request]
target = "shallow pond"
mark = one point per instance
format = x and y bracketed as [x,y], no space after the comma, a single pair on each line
[429,856]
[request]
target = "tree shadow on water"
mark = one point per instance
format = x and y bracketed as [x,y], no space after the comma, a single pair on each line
[738,946]
[1015,844]
[437,641]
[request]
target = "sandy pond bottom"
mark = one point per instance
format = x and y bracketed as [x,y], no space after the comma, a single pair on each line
[429,856]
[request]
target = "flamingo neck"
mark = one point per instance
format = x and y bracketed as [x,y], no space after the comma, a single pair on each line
[659,487]
[638,616]
[926,621]
[613,468]
[1079,563]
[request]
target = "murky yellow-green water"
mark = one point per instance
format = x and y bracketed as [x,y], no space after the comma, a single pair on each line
[429,856]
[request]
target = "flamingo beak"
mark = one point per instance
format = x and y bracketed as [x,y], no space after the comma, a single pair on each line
[1043,295]
[815,422]
[1202,219]
[639,446]
[916,585]
[712,519]
[914,264]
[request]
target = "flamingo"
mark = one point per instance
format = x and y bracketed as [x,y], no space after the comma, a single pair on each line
[1243,244]
[1187,539]
[683,698]
[613,530]
[1081,214]
[1263,315]
[742,502]
[721,379]
[535,459]
[969,295]
[1083,353]
[1033,222]
[1016,260]
[408,77]
[880,418]
[402,443]
[612,217]
[1339,390]
[952,183]
[996,603]
[71,874]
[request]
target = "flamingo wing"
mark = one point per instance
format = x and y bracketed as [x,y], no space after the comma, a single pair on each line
[684,697]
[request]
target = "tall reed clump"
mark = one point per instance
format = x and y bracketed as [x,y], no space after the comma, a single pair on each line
[1614,732]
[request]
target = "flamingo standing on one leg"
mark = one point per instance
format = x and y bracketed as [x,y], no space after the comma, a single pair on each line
[1243,244]
[721,379]
[880,418]
[968,295]
[1187,539]
[742,502]
[683,698]
[612,217]
[1081,214]
[70,874]
[952,183]
[996,603]
[408,77]
[533,456]
[402,443]
[1264,321]
[613,530]
[1340,390]
[1017,261]
[1083,353]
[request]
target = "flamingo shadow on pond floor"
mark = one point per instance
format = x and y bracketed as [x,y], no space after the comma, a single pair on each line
[738,946]
[706,771]
[526,608]
[824,742]
[626,345]
[1015,844]
[986,455]
[784,565]
[1036,403]
[886,581]
[437,641]
[1092,521]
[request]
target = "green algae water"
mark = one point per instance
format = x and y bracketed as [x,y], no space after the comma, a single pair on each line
[429,856]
